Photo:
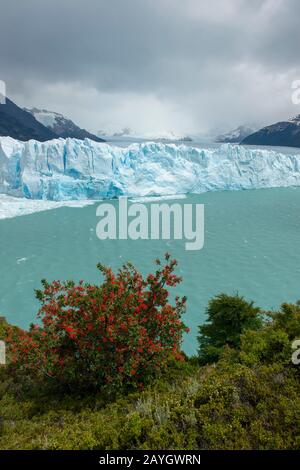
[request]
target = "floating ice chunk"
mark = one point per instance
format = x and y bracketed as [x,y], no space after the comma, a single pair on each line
[12,206]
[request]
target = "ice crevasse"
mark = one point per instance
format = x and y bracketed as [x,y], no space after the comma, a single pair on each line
[71,169]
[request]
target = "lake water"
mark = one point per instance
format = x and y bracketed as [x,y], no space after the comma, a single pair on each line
[251,247]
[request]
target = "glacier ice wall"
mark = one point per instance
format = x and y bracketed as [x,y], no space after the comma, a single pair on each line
[73,169]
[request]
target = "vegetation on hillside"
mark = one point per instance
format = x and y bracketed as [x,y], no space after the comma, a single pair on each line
[240,392]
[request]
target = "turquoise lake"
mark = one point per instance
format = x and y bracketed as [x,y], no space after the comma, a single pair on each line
[251,247]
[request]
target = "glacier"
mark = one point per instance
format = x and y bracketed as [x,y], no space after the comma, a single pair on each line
[71,169]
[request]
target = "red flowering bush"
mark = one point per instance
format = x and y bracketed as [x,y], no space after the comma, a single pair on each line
[119,333]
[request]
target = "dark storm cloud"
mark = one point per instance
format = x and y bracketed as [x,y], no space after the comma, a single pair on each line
[212,61]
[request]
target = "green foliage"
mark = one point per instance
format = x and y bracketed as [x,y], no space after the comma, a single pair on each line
[3,328]
[288,319]
[272,343]
[266,346]
[230,406]
[228,317]
[248,399]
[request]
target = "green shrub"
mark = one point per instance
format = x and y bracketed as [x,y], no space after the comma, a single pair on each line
[228,318]
[248,399]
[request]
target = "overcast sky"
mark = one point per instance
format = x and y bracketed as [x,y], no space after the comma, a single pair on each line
[153,65]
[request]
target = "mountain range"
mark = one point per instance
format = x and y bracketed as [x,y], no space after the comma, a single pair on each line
[283,133]
[61,126]
[128,133]
[19,124]
[235,136]
[41,125]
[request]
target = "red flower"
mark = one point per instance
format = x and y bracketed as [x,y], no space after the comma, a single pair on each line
[69,329]
[124,324]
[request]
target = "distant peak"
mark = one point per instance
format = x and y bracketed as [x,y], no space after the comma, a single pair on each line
[35,110]
[295,119]
[62,126]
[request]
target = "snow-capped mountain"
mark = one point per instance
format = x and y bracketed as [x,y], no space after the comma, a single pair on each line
[124,132]
[19,124]
[168,136]
[74,169]
[61,126]
[128,133]
[235,136]
[284,134]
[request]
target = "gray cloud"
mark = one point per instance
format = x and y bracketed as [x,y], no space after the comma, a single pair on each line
[185,65]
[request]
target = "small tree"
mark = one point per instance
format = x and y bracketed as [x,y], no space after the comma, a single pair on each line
[228,318]
[288,319]
[117,334]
